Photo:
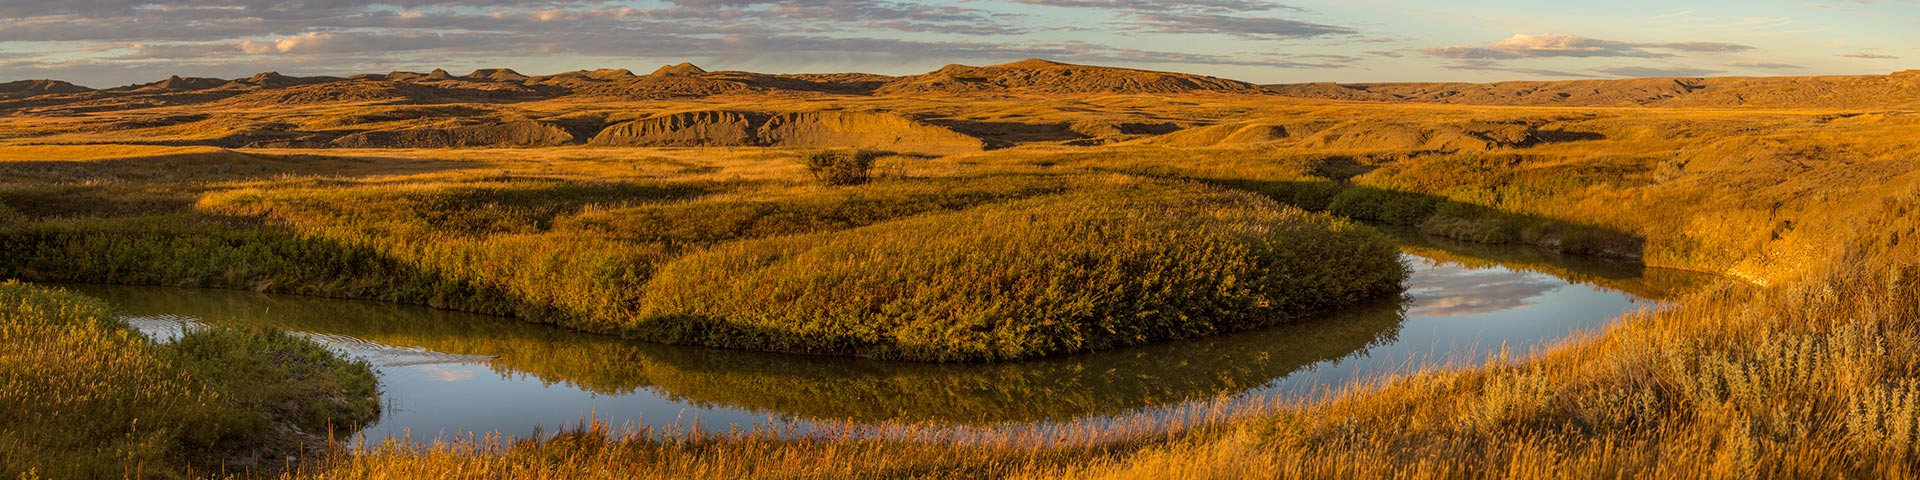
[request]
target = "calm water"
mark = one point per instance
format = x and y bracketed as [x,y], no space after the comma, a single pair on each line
[443,373]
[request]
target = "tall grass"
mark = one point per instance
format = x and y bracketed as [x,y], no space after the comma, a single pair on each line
[87,397]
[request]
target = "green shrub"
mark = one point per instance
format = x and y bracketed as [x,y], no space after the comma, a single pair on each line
[841,167]
[1383,205]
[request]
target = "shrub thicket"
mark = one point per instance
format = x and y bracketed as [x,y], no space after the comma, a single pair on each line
[841,167]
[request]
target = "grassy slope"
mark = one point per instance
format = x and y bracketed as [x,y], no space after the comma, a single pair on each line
[87,397]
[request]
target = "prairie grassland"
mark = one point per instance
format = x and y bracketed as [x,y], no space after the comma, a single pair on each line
[1811,374]
[87,397]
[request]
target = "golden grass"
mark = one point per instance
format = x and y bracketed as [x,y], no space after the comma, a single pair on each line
[1811,375]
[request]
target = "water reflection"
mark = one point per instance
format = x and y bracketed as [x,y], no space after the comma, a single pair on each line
[447,372]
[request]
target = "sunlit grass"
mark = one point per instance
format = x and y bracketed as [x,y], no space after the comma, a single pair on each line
[1808,376]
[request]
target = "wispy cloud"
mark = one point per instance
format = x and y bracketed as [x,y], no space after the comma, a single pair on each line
[1484,65]
[1655,72]
[1559,45]
[1762,65]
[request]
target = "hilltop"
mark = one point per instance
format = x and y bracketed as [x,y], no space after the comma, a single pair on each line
[1046,77]
[29,88]
[1900,89]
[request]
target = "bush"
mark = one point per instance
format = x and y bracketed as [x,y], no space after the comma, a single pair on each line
[1391,207]
[841,167]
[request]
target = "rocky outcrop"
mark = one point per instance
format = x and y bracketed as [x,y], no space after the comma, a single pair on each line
[519,133]
[805,129]
[689,129]
[864,130]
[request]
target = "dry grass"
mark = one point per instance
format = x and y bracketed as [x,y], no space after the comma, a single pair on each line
[1811,375]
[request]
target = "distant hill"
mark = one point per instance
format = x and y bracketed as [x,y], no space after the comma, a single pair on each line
[1045,77]
[679,81]
[955,109]
[1897,90]
[31,88]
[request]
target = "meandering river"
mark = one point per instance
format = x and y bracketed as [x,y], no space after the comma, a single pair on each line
[443,373]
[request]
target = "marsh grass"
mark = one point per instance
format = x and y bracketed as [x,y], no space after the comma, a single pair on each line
[88,397]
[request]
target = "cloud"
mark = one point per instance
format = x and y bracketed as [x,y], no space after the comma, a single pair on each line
[1655,72]
[1243,26]
[1228,17]
[720,3]
[1493,66]
[1216,6]
[1560,45]
[1761,64]
[1869,56]
[116,42]
[345,43]
[1450,290]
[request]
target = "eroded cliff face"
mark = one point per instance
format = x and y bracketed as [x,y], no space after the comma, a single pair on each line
[804,129]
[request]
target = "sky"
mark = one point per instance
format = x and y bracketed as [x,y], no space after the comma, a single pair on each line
[108,43]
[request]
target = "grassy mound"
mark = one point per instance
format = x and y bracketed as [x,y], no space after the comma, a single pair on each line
[934,269]
[87,397]
[1125,263]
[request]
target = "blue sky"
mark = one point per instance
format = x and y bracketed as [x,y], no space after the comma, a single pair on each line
[104,43]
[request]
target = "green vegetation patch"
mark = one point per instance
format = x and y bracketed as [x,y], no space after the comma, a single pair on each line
[958,268]
[87,397]
[1123,263]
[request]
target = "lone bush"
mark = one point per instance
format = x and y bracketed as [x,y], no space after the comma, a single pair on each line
[841,167]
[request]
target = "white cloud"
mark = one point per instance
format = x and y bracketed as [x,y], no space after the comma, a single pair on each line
[1561,45]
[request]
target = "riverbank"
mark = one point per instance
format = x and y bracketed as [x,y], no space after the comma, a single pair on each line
[87,397]
[447,372]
